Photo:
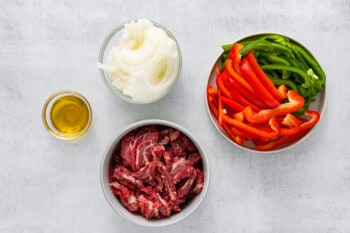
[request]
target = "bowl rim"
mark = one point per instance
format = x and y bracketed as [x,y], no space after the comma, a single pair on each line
[322,95]
[136,218]
[108,38]
[46,120]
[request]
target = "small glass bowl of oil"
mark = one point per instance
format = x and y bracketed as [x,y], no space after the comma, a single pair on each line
[67,115]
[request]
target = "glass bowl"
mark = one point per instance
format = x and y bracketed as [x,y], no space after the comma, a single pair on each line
[318,105]
[111,41]
[67,115]
[110,159]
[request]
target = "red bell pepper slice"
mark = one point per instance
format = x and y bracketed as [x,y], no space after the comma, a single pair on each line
[266,82]
[236,95]
[281,141]
[217,70]
[243,87]
[220,108]
[260,90]
[211,91]
[213,107]
[229,133]
[295,103]
[221,85]
[232,103]
[235,57]
[293,125]
[246,98]
[261,141]
[241,134]
[212,100]
[314,118]
[253,130]
[239,116]
[305,126]
[239,140]
[237,77]
[283,90]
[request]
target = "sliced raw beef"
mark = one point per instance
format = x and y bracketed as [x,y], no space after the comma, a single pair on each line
[186,187]
[155,170]
[181,169]
[127,198]
[194,158]
[199,182]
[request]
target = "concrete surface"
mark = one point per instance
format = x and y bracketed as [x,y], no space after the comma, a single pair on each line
[52,186]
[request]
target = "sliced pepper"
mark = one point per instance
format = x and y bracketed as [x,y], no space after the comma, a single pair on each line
[295,102]
[239,140]
[259,88]
[221,85]
[229,133]
[237,77]
[250,129]
[235,57]
[213,106]
[265,81]
[293,125]
[234,88]
[220,109]
[281,141]
[311,61]
[241,137]
[211,91]
[285,82]
[239,116]
[251,100]
[259,44]
[232,103]
[282,89]
[305,126]
[314,118]
[306,78]
[217,70]
[273,58]
[212,100]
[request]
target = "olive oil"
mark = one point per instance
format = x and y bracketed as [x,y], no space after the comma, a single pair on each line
[67,115]
[70,115]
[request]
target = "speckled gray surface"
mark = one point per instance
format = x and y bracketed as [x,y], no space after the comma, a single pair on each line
[49,185]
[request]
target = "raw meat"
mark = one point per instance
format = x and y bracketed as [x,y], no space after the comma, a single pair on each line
[155,171]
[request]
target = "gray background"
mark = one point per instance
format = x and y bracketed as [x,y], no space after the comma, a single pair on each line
[48,185]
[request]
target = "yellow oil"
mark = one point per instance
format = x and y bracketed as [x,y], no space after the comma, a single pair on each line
[70,115]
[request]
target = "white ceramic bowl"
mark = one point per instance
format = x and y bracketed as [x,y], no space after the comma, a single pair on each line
[317,105]
[137,218]
[110,41]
